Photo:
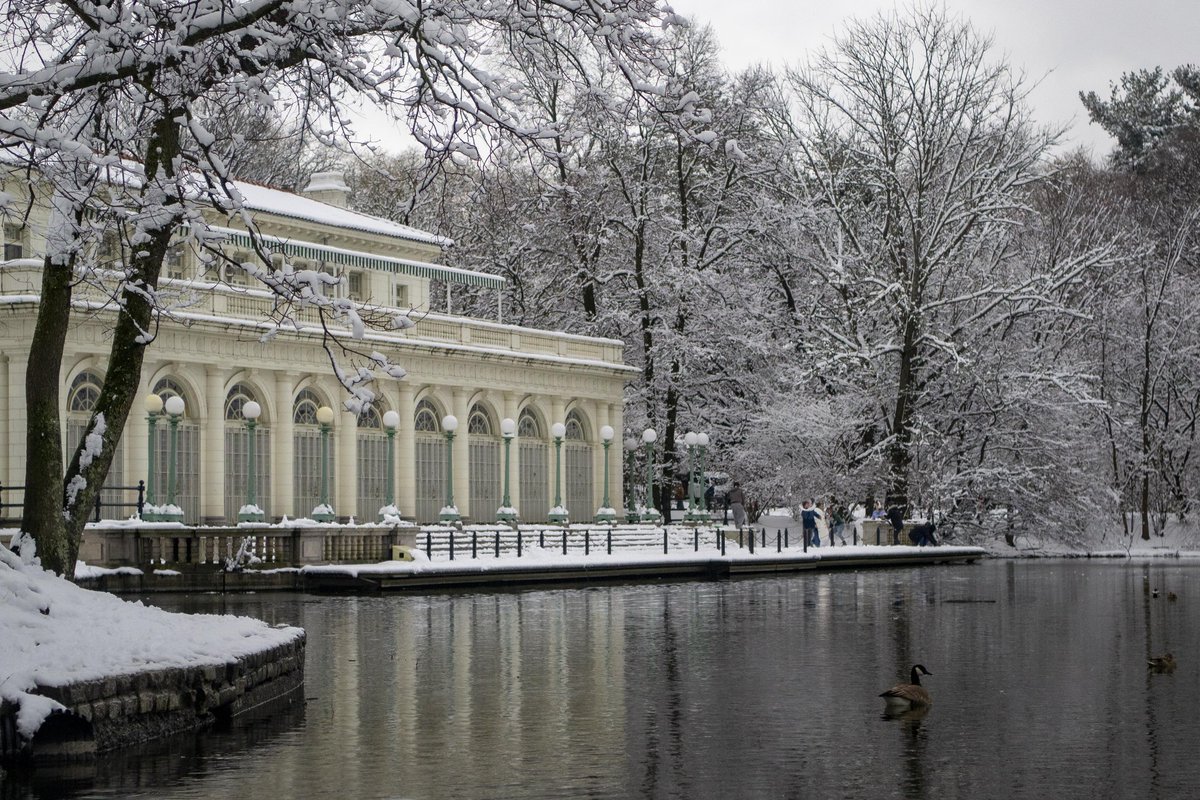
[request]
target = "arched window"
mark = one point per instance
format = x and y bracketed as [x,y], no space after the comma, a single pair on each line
[237,454]
[485,465]
[306,454]
[187,459]
[578,457]
[426,419]
[81,401]
[372,464]
[430,462]
[535,468]
[304,410]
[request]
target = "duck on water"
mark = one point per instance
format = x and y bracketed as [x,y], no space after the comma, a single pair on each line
[911,694]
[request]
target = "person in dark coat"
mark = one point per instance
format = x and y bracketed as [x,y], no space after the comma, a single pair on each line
[895,515]
[922,534]
[808,519]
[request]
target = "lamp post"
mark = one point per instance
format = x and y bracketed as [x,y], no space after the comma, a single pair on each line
[605,513]
[174,408]
[558,514]
[506,512]
[631,513]
[391,421]
[251,512]
[324,511]
[154,406]
[651,513]
[449,511]
[702,440]
[691,439]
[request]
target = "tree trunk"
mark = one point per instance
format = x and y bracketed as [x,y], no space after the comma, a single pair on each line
[42,516]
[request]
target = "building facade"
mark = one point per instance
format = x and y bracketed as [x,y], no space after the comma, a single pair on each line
[218,349]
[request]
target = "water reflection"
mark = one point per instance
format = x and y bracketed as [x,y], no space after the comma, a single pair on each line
[744,688]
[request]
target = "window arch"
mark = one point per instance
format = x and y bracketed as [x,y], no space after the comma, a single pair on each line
[528,426]
[479,421]
[426,419]
[236,399]
[304,409]
[575,429]
[84,392]
[370,418]
[169,387]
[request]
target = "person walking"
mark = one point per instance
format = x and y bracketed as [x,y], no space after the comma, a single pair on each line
[808,519]
[895,515]
[839,515]
[737,504]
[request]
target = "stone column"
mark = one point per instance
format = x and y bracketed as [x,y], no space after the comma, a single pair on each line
[345,466]
[283,448]
[462,454]
[5,438]
[600,413]
[212,457]
[406,452]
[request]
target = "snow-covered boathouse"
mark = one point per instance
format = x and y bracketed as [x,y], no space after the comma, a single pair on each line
[211,351]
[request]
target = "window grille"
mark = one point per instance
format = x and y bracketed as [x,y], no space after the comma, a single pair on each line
[237,455]
[485,458]
[81,400]
[306,455]
[372,465]
[187,462]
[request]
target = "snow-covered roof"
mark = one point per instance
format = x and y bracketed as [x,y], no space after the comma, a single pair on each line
[289,204]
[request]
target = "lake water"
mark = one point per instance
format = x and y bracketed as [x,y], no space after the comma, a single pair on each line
[755,688]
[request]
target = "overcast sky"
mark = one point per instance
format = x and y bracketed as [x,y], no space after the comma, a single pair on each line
[1075,44]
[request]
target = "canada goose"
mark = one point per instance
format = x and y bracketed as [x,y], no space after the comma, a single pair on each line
[908,695]
[1163,663]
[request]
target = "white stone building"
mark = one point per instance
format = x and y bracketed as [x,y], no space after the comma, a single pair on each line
[211,352]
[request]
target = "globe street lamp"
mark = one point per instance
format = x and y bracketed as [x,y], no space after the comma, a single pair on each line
[651,513]
[606,513]
[324,511]
[391,421]
[250,511]
[506,512]
[449,511]
[558,514]
[154,406]
[174,408]
[631,514]
[691,439]
[702,441]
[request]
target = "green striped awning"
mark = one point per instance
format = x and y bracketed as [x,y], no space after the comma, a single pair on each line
[312,251]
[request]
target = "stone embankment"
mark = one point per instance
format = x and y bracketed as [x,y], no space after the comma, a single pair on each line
[117,711]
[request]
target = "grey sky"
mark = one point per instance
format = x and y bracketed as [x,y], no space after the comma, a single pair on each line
[1071,45]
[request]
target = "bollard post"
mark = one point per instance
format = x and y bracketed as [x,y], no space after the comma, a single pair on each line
[721,540]
[778,541]
[739,538]
[785,539]
[474,543]
[587,541]
[97,506]
[751,539]
[497,544]
[696,540]
[764,536]
[452,544]
[542,538]
[805,537]
[429,545]
[664,540]
[609,540]
[141,501]
[564,540]
[518,542]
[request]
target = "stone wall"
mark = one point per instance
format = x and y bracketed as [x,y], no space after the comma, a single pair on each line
[126,709]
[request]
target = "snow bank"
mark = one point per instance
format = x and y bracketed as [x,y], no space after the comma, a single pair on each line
[54,633]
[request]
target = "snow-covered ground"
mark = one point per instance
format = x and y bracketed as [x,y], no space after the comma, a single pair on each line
[54,633]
